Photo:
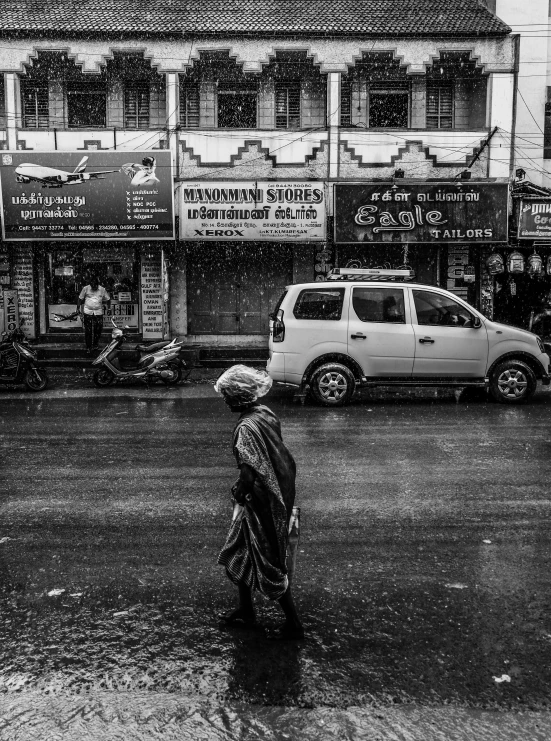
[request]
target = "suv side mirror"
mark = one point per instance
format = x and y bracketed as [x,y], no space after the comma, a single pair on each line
[476,322]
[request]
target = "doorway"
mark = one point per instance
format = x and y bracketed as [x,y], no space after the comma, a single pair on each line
[233,288]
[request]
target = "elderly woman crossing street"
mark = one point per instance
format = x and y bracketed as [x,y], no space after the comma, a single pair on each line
[254,554]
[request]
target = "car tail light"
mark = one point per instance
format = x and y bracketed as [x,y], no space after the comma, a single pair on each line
[278,327]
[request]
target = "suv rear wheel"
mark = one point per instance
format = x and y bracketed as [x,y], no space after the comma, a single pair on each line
[333,384]
[512,382]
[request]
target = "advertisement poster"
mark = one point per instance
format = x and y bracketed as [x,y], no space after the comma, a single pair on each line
[256,211]
[535,220]
[23,282]
[93,195]
[458,211]
[11,311]
[152,297]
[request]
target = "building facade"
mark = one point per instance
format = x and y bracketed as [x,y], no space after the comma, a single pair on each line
[264,109]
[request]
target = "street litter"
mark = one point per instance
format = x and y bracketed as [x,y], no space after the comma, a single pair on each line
[76,594]
[487,542]
[55,592]
[120,614]
[503,678]
[4,540]
[456,585]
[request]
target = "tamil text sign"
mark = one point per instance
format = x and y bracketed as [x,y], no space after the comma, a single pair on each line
[257,211]
[421,212]
[535,220]
[87,195]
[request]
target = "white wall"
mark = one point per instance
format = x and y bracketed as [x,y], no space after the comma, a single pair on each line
[530,19]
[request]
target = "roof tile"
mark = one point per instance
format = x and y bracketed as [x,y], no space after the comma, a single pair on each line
[364,17]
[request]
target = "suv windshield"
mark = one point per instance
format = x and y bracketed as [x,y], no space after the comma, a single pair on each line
[273,315]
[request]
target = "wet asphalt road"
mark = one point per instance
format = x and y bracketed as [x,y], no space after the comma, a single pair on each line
[423,572]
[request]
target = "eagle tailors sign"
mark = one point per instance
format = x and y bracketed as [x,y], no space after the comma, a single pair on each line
[87,195]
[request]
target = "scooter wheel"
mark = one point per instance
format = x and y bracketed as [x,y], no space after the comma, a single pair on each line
[176,376]
[36,379]
[103,377]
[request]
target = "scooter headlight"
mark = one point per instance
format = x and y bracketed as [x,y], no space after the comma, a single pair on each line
[116,333]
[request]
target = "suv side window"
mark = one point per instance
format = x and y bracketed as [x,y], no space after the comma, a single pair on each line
[319,303]
[435,309]
[373,304]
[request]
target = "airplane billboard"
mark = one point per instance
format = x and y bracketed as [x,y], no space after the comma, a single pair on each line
[87,195]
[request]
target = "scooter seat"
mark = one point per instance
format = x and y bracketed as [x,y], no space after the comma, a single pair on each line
[154,347]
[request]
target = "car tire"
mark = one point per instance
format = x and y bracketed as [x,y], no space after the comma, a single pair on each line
[512,382]
[332,384]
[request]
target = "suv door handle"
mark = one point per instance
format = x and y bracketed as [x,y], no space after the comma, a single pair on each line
[426,341]
[358,337]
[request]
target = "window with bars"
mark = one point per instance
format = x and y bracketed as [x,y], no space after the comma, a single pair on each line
[388,107]
[136,106]
[287,105]
[346,104]
[439,107]
[86,104]
[35,113]
[189,106]
[237,105]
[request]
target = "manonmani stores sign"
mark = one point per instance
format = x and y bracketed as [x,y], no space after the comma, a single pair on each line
[458,211]
[253,211]
[87,195]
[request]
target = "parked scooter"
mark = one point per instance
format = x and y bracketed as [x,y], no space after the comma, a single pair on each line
[149,363]
[18,361]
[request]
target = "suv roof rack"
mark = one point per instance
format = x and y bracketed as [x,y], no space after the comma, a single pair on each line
[370,274]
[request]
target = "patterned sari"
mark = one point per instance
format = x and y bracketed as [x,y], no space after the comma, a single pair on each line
[255,549]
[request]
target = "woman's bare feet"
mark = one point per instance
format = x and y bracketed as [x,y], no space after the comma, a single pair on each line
[239,618]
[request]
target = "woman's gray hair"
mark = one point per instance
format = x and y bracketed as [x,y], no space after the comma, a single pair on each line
[243,383]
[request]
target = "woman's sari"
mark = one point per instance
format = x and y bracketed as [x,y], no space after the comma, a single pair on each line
[255,549]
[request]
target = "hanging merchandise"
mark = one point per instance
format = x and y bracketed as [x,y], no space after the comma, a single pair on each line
[405,264]
[548,268]
[495,264]
[512,288]
[515,264]
[535,265]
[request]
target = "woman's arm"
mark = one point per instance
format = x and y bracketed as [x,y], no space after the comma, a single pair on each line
[244,484]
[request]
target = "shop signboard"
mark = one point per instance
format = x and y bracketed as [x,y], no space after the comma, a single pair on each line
[255,211]
[87,195]
[446,212]
[534,220]
[11,311]
[153,307]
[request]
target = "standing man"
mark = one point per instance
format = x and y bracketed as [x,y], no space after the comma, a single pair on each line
[92,296]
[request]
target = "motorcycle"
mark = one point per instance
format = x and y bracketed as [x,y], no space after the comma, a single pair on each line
[18,361]
[149,363]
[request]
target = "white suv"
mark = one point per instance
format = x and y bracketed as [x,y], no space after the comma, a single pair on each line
[364,328]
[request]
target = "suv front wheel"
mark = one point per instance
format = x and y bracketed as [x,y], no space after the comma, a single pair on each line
[333,384]
[512,382]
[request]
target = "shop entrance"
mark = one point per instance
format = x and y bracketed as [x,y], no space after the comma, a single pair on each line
[523,301]
[69,268]
[232,288]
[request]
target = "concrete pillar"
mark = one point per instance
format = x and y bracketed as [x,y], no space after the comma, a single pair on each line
[172,116]
[418,102]
[501,96]
[11,87]
[333,122]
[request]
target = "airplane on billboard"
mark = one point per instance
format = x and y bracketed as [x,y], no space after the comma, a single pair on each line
[50,177]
